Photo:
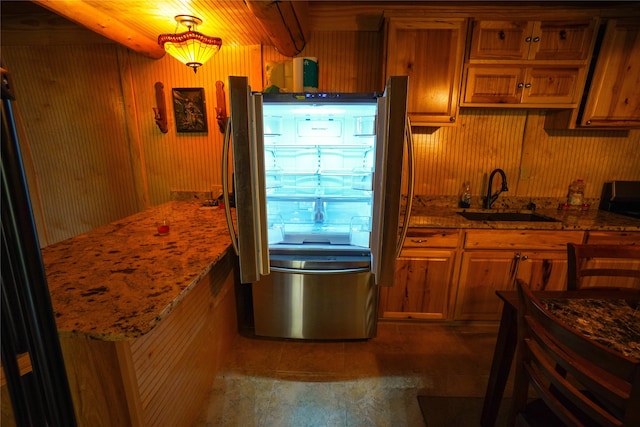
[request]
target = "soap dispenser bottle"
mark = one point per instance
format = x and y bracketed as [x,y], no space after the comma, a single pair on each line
[465,195]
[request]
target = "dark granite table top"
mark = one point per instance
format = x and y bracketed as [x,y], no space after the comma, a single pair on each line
[614,323]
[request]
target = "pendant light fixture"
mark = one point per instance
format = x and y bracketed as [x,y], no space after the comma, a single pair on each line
[191,47]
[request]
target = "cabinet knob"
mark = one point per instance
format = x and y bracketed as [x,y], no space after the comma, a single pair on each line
[563,35]
[501,35]
[536,39]
[418,240]
[524,258]
[452,119]
[588,122]
[528,39]
[520,85]
[528,85]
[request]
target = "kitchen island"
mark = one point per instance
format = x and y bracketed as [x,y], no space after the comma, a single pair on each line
[144,319]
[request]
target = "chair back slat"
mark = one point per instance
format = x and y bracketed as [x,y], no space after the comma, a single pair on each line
[602,266]
[581,381]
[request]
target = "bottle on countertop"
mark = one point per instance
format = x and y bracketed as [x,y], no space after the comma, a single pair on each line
[465,196]
[576,193]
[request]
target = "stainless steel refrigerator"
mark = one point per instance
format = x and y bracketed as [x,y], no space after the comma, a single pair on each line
[317,191]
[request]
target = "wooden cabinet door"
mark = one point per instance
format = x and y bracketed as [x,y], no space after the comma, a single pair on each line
[421,289]
[563,40]
[614,93]
[493,84]
[552,85]
[533,40]
[483,273]
[500,39]
[541,86]
[543,270]
[430,52]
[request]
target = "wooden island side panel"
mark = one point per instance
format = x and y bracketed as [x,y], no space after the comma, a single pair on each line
[164,377]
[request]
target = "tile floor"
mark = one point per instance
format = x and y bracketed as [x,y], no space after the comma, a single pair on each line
[269,383]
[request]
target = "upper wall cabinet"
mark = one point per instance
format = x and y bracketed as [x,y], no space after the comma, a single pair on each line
[521,86]
[530,64]
[532,40]
[431,52]
[612,96]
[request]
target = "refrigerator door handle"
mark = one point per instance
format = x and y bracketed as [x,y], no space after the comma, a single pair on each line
[327,272]
[225,185]
[258,174]
[410,189]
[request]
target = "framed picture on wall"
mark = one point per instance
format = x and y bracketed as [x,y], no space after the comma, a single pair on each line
[189,108]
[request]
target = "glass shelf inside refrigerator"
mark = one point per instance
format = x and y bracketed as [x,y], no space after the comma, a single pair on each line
[336,184]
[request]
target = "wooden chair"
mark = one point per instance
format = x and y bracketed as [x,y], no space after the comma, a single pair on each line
[578,381]
[602,266]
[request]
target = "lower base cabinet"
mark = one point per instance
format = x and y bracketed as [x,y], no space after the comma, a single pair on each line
[492,261]
[424,273]
[449,274]
[481,275]
[421,291]
[485,272]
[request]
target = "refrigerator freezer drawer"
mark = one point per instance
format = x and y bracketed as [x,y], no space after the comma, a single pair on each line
[316,305]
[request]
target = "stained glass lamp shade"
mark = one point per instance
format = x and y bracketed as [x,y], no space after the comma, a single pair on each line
[191,47]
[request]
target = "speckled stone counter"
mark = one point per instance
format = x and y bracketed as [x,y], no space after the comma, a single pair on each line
[436,213]
[612,323]
[118,281]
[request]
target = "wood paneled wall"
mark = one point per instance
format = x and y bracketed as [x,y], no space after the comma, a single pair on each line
[72,123]
[537,163]
[96,154]
[184,161]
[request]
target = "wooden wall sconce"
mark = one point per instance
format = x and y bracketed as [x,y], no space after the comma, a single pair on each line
[161,110]
[221,109]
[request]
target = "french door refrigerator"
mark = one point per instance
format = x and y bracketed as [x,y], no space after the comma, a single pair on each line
[317,187]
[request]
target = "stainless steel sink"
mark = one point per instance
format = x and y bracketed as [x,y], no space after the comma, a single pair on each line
[506,216]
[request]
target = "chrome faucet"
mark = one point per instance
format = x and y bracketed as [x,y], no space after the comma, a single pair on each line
[488,201]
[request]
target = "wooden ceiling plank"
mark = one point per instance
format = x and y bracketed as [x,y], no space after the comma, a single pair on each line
[105,25]
[284,22]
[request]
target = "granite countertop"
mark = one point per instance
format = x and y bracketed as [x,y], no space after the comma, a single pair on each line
[118,281]
[436,213]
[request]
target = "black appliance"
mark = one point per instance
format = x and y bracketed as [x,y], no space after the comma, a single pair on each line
[621,197]
[41,396]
